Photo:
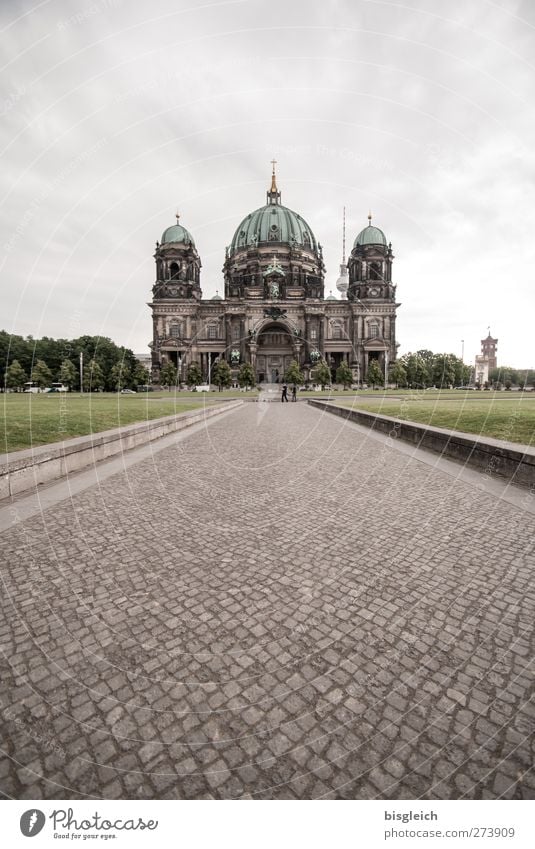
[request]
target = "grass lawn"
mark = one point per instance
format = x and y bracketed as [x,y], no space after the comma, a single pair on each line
[502,415]
[214,394]
[30,420]
[433,394]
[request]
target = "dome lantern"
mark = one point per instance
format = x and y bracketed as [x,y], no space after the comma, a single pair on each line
[370,235]
[273,194]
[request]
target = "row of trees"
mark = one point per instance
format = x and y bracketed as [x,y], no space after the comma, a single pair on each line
[508,376]
[94,379]
[107,366]
[221,375]
[424,369]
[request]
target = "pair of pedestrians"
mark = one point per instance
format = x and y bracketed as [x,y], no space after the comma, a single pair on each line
[284,396]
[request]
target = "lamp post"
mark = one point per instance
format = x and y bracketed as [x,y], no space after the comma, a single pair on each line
[81,372]
[386,369]
[462,351]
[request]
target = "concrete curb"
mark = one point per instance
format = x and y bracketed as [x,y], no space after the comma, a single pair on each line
[493,457]
[25,470]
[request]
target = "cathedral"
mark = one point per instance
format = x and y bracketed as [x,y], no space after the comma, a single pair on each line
[274,309]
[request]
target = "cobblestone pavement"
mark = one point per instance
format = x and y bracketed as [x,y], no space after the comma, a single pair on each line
[276,607]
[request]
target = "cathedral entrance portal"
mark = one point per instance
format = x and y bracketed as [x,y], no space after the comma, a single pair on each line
[274,354]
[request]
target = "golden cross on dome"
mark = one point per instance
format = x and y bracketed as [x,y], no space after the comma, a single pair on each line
[177,216]
[273,177]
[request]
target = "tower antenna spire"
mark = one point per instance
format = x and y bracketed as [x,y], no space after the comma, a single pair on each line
[344,236]
[342,284]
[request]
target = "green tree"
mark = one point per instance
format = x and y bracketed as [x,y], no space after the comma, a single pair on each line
[41,374]
[140,376]
[374,375]
[246,376]
[293,374]
[322,374]
[168,375]
[106,353]
[417,368]
[15,377]
[221,374]
[505,375]
[398,374]
[443,371]
[426,356]
[67,373]
[194,374]
[119,376]
[344,375]
[93,377]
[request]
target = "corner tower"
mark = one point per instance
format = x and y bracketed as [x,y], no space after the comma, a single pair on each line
[373,295]
[176,295]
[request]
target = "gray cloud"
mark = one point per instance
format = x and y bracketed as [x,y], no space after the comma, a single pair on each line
[114,114]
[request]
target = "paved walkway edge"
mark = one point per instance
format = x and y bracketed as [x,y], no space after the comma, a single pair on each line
[493,457]
[24,470]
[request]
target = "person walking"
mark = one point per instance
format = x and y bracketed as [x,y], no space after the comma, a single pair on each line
[294,392]
[284,396]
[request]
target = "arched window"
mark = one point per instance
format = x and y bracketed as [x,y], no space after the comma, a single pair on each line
[376,271]
[174,271]
[175,331]
[373,330]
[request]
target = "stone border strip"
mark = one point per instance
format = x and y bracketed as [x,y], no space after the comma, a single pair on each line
[21,471]
[493,457]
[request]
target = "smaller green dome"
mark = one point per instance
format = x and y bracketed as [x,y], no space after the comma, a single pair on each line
[177,233]
[216,297]
[371,236]
[331,297]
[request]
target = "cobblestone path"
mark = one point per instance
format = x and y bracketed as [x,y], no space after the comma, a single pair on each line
[276,607]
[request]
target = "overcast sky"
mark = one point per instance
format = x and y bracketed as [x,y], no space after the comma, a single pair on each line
[116,113]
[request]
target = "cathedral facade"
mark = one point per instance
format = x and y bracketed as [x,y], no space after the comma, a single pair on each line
[274,308]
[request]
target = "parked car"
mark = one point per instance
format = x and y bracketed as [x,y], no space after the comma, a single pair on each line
[57,387]
[128,392]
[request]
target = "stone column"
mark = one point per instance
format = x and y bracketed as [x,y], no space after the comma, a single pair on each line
[252,353]
[243,353]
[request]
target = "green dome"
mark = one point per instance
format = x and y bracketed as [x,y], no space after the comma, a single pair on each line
[177,233]
[273,223]
[370,236]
